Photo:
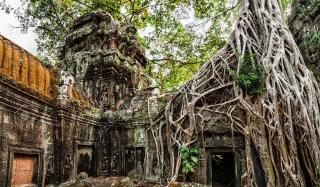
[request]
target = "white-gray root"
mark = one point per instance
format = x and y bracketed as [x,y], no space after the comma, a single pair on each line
[282,124]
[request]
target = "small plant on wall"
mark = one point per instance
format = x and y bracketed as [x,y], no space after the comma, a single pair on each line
[190,159]
[251,77]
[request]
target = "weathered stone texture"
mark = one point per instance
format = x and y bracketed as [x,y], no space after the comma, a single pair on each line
[31,126]
[92,118]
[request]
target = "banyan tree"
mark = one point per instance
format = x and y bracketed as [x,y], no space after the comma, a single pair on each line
[260,84]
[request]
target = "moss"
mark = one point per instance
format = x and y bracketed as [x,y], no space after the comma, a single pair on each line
[304,23]
[93,113]
[81,32]
[141,116]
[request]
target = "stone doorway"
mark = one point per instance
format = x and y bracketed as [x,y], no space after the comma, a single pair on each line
[84,159]
[134,161]
[223,169]
[24,170]
[225,166]
[24,167]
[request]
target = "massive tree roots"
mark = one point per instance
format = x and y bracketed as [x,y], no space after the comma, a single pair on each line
[280,126]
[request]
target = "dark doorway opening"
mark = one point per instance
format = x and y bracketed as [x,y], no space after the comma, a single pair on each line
[223,170]
[84,158]
[134,161]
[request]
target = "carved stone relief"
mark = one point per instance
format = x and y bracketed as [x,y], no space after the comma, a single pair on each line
[67,166]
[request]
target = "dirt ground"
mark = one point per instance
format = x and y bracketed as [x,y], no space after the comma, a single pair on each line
[112,182]
[122,182]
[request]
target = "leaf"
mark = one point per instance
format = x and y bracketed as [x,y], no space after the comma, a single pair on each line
[195,150]
[184,170]
[194,159]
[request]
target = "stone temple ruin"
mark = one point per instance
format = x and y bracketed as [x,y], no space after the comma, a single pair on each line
[90,115]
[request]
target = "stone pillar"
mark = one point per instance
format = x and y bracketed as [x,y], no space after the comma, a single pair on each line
[201,173]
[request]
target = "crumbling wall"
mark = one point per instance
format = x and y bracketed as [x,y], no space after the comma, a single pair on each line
[49,131]
[90,118]
[74,130]
[122,139]
[105,59]
[26,126]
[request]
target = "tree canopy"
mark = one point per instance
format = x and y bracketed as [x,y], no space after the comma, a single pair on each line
[179,35]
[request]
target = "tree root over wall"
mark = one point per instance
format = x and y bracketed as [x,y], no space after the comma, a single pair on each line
[282,124]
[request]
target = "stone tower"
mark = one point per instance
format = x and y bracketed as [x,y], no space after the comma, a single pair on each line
[105,59]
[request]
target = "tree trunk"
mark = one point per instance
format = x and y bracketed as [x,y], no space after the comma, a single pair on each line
[304,23]
[282,124]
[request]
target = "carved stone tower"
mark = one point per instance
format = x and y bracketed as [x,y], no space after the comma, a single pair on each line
[105,58]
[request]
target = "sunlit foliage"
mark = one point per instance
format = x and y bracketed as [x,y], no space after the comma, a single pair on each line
[179,35]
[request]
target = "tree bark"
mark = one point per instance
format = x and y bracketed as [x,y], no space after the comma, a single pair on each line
[281,124]
[304,24]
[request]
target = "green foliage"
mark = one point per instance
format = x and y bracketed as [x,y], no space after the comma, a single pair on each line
[285,4]
[313,38]
[251,76]
[190,159]
[179,35]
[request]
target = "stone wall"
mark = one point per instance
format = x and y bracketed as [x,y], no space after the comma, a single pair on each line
[36,127]
[75,130]
[122,139]
[93,117]
[105,58]
[27,127]
[26,71]
[49,115]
